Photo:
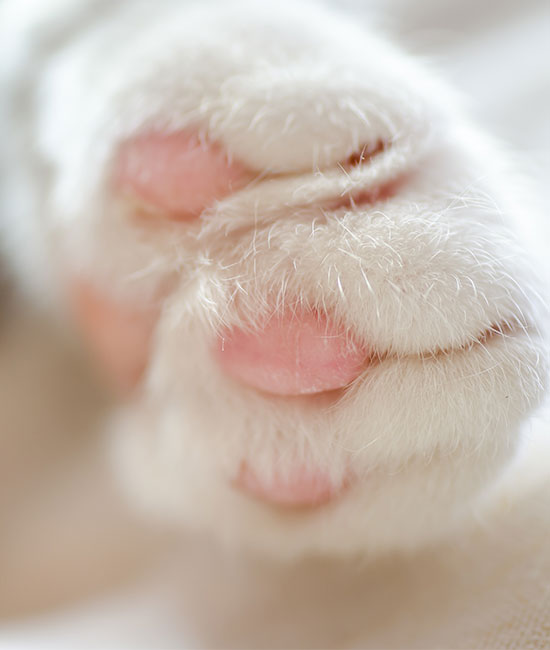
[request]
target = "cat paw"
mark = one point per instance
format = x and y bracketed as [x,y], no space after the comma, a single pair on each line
[299,262]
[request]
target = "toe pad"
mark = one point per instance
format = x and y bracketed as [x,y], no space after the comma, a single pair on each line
[178,174]
[292,354]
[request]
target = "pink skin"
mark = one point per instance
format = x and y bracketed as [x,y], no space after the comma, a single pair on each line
[118,334]
[292,354]
[301,488]
[178,176]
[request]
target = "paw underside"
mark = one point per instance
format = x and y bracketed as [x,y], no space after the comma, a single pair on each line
[298,263]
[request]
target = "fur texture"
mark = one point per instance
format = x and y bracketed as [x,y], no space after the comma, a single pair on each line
[438,280]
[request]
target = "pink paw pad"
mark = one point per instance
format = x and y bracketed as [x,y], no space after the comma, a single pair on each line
[118,334]
[292,354]
[302,487]
[177,174]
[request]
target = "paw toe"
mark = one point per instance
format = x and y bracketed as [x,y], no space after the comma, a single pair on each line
[292,354]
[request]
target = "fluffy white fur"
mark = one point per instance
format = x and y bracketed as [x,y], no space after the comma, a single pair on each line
[438,281]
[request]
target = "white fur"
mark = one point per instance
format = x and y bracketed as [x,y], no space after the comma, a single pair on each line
[292,90]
